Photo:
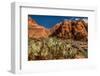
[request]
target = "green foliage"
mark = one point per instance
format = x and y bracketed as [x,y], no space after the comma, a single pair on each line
[52,48]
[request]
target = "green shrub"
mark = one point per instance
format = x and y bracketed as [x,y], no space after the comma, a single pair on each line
[52,48]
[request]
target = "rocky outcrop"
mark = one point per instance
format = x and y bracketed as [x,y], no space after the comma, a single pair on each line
[68,29]
[36,31]
[54,30]
[32,23]
[80,30]
[63,30]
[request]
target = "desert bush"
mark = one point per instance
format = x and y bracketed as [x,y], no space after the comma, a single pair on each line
[53,48]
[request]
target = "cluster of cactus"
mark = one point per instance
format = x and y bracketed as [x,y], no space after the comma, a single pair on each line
[53,48]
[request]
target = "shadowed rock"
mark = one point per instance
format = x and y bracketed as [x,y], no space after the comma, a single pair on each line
[63,30]
[80,30]
[68,29]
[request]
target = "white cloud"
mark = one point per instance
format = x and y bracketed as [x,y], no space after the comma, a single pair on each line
[86,20]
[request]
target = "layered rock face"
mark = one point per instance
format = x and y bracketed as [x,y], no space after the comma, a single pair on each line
[71,30]
[36,31]
[80,30]
[66,29]
[63,30]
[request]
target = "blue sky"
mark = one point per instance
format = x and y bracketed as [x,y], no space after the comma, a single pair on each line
[50,21]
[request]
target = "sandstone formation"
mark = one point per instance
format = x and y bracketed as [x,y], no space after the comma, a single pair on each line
[66,29]
[63,30]
[80,30]
[36,31]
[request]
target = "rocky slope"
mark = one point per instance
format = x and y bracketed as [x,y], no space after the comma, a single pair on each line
[63,30]
[71,30]
[80,30]
[36,31]
[66,29]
